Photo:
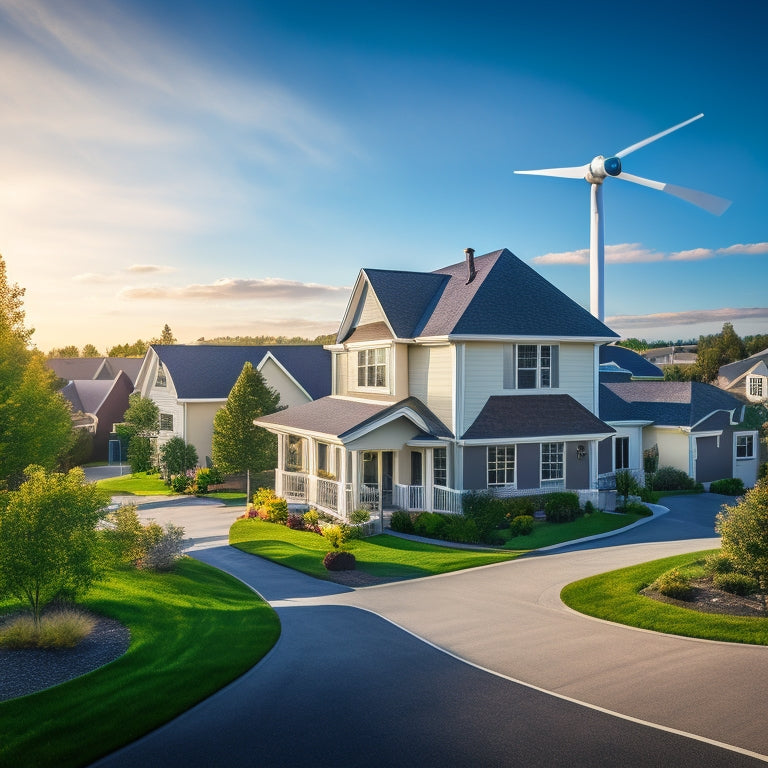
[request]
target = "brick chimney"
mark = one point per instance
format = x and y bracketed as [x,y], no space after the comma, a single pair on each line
[470,254]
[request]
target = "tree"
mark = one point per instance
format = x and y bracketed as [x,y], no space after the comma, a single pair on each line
[137,349]
[166,336]
[89,350]
[744,531]
[678,372]
[49,546]
[140,425]
[238,444]
[715,351]
[177,457]
[35,424]
[69,351]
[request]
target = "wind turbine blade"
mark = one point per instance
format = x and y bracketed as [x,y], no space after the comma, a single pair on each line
[576,172]
[640,144]
[711,203]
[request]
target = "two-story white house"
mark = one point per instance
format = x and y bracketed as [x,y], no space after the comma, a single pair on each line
[480,375]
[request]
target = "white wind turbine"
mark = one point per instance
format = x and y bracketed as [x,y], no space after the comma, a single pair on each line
[595,173]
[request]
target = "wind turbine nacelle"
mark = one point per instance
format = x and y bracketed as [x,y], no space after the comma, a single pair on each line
[601,167]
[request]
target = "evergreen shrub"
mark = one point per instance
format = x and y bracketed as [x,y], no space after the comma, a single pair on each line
[728,486]
[562,507]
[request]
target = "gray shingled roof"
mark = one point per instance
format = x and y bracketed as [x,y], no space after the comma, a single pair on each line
[506,297]
[527,416]
[340,417]
[87,395]
[209,371]
[733,371]
[629,360]
[666,403]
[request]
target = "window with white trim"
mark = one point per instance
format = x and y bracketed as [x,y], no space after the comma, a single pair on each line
[501,465]
[440,467]
[536,367]
[756,387]
[372,367]
[552,465]
[745,446]
[166,422]
[621,453]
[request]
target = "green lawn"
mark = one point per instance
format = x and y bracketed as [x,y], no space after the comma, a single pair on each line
[546,534]
[139,484]
[614,596]
[382,555]
[192,632]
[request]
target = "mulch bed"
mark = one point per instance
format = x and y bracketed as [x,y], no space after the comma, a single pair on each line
[707,599]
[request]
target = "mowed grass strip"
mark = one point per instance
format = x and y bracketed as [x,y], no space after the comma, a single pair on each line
[615,596]
[192,632]
[139,484]
[547,534]
[383,555]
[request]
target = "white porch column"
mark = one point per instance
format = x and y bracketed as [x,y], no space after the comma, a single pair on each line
[355,479]
[340,459]
[429,479]
[593,467]
[281,439]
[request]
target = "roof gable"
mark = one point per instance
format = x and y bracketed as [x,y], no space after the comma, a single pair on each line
[208,372]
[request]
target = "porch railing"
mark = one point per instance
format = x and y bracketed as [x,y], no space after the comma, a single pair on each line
[446,499]
[327,493]
[607,480]
[295,486]
[369,495]
[409,497]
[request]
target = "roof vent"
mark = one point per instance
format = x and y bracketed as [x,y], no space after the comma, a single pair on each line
[471,272]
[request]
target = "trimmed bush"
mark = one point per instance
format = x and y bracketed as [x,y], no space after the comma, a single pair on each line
[518,506]
[522,525]
[718,562]
[311,521]
[671,479]
[430,524]
[728,486]
[673,584]
[336,535]
[636,508]
[562,507]
[401,522]
[295,522]
[736,583]
[460,529]
[206,477]
[162,556]
[358,519]
[589,508]
[179,483]
[488,512]
[339,560]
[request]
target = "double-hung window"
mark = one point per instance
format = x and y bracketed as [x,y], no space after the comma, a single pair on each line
[161,380]
[440,467]
[501,465]
[552,465]
[621,453]
[166,422]
[372,367]
[756,388]
[530,366]
[745,446]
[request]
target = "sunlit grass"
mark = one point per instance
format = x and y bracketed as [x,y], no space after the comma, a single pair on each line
[546,534]
[63,628]
[615,596]
[383,555]
[139,484]
[192,631]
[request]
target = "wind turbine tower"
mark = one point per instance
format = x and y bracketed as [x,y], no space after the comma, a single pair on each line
[595,173]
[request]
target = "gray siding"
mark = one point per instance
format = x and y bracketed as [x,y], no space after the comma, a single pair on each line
[528,472]
[713,463]
[604,456]
[475,467]
[576,470]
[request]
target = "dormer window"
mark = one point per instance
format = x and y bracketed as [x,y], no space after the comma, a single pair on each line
[372,368]
[161,380]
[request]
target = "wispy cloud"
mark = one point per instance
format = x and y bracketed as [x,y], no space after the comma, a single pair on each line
[691,317]
[241,289]
[147,269]
[632,253]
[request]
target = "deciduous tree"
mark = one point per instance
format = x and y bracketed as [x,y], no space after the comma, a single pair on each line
[49,545]
[140,424]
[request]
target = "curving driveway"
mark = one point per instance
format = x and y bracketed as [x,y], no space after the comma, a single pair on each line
[345,686]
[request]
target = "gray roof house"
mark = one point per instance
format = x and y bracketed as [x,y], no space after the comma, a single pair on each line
[96,368]
[478,376]
[695,427]
[622,364]
[190,383]
[746,379]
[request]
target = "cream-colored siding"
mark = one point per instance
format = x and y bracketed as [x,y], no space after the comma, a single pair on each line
[276,377]
[397,374]
[390,437]
[165,399]
[673,446]
[430,379]
[200,427]
[370,311]
[577,373]
[484,376]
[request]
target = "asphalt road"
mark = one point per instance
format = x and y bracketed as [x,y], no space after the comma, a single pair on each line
[485,668]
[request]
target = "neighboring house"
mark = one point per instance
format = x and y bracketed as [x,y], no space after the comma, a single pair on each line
[695,427]
[746,379]
[97,404]
[102,368]
[623,364]
[679,355]
[478,376]
[189,383]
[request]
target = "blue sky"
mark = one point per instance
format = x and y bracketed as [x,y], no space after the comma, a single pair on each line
[228,168]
